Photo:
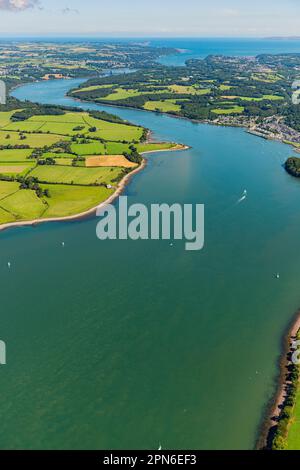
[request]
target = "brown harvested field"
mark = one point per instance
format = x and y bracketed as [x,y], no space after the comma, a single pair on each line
[109,160]
[12,169]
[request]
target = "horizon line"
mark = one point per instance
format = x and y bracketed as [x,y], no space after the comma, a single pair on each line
[136,36]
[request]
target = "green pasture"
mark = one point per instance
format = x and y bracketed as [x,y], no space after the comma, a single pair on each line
[75,175]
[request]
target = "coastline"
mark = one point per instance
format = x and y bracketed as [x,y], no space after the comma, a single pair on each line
[247,129]
[82,215]
[274,407]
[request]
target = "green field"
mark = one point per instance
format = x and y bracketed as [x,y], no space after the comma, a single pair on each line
[94,148]
[7,188]
[71,189]
[16,168]
[92,88]
[5,117]
[264,97]
[33,140]
[163,106]
[23,204]
[24,126]
[116,148]
[72,117]
[58,155]
[225,87]
[233,110]
[66,125]
[111,131]
[266,77]
[65,161]
[293,439]
[75,175]
[11,156]
[120,94]
[152,147]
[66,200]
[16,204]
[189,90]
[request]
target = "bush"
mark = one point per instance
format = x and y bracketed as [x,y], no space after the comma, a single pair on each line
[279,443]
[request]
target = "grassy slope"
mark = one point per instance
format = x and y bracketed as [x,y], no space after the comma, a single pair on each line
[66,200]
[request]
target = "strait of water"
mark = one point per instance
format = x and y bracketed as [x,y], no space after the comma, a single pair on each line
[125,344]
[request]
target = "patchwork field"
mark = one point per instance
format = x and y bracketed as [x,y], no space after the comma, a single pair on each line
[69,124]
[47,167]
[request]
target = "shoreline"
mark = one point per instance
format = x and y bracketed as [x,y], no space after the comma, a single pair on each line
[82,215]
[246,128]
[275,404]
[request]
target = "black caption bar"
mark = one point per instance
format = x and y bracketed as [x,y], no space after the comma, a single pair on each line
[134,459]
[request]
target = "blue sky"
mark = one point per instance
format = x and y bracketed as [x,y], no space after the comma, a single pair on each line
[151,17]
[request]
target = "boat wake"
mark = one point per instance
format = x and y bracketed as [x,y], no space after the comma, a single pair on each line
[244,196]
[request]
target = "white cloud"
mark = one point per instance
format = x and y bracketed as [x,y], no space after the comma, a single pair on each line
[18,5]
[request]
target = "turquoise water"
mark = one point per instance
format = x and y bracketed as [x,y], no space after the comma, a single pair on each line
[195,48]
[126,344]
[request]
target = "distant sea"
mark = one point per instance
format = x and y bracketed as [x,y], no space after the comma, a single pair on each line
[191,48]
[200,48]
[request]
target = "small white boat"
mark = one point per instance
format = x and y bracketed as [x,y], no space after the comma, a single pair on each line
[9,265]
[277,276]
[243,196]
